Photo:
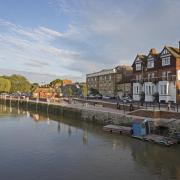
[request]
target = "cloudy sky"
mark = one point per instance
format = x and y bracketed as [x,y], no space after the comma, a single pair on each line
[45,39]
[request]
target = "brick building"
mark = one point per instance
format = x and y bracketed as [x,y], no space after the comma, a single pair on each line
[111,82]
[124,80]
[103,81]
[157,74]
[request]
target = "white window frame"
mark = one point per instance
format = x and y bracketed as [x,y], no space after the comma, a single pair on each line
[150,64]
[166,61]
[164,89]
[152,90]
[138,66]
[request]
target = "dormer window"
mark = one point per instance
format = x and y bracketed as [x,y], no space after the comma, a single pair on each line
[166,61]
[138,66]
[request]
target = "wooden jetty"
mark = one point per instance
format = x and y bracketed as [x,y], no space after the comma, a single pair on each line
[160,139]
[118,129]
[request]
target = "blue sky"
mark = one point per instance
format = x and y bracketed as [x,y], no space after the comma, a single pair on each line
[46,39]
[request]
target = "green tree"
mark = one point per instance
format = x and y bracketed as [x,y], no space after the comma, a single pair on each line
[19,83]
[5,85]
[69,91]
[56,83]
[84,90]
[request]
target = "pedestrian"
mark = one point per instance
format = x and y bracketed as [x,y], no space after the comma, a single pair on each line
[169,106]
[117,105]
[131,107]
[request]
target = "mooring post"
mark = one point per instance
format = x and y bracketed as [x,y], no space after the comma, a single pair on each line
[177,107]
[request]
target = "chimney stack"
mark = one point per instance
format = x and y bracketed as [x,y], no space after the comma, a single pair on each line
[179,47]
[153,51]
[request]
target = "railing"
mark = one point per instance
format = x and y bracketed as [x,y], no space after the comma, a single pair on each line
[155,79]
[151,79]
[168,78]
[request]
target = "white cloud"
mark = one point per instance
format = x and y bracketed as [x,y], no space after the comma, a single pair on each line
[115,31]
[100,34]
[32,49]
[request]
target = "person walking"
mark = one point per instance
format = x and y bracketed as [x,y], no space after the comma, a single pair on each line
[169,106]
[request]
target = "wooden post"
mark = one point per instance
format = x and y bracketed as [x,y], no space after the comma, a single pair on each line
[177,107]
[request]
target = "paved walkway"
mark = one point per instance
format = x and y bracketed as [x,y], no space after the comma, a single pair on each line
[86,106]
[98,107]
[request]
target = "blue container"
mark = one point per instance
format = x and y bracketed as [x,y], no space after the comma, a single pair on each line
[139,128]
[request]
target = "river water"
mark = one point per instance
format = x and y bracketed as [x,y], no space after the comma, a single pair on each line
[44,147]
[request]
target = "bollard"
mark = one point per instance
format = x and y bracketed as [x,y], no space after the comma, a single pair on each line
[153,106]
[123,108]
[177,107]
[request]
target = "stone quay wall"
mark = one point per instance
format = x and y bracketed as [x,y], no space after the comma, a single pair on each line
[95,115]
[83,113]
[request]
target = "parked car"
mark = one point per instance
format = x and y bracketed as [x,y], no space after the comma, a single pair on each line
[106,97]
[98,96]
[126,99]
[91,96]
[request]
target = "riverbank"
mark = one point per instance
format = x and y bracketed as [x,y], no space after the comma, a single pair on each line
[84,112]
[97,114]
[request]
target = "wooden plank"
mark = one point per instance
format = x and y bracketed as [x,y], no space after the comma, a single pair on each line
[117,129]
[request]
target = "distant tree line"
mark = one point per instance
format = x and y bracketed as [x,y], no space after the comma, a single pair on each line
[14,83]
[18,83]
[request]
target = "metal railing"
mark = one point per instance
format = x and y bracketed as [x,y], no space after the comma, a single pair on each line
[155,79]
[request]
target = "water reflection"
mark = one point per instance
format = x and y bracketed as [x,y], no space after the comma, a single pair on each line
[85,137]
[105,155]
[69,131]
[59,127]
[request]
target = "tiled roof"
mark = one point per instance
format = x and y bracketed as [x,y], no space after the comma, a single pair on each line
[142,57]
[174,51]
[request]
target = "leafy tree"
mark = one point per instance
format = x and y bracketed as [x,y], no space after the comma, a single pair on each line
[84,90]
[19,83]
[56,83]
[5,85]
[69,91]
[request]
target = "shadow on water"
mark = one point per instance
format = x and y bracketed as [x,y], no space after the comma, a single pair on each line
[160,161]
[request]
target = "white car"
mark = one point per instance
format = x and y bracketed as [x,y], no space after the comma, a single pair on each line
[127,99]
[106,97]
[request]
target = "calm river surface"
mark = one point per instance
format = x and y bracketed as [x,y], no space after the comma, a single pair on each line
[40,147]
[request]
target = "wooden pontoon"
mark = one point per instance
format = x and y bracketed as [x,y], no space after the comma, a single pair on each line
[118,129]
[160,139]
